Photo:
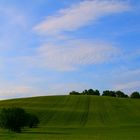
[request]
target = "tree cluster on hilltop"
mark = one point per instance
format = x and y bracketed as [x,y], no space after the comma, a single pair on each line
[110,93]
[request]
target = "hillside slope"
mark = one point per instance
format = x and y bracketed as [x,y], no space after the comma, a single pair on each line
[79,117]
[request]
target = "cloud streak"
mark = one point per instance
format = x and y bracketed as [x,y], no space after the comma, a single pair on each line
[20,90]
[128,86]
[80,15]
[73,54]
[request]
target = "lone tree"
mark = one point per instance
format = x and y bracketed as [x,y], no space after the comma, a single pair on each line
[15,119]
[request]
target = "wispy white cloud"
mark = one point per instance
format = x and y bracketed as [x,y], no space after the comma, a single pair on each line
[130,73]
[73,54]
[79,15]
[17,91]
[126,79]
[132,85]
[70,55]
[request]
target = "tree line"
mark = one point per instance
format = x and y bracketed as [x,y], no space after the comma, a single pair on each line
[110,93]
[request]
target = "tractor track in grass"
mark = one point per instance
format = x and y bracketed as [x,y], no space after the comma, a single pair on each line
[85,114]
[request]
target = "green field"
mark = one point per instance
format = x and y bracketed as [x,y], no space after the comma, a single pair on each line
[78,118]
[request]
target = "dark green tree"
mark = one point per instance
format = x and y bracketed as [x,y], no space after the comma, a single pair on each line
[121,94]
[96,92]
[135,95]
[85,92]
[109,93]
[93,92]
[90,92]
[74,93]
[15,119]
[33,120]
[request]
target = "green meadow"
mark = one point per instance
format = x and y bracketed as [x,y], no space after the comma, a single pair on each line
[78,118]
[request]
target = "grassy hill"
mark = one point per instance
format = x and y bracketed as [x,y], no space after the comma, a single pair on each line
[78,118]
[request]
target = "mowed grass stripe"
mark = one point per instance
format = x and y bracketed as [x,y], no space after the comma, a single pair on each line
[84,116]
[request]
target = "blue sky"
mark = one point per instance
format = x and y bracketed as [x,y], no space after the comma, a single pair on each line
[50,47]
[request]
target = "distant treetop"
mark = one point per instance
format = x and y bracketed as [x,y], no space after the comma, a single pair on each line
[110,93]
